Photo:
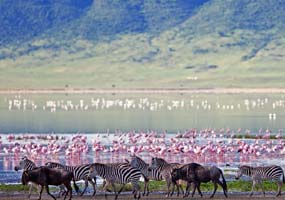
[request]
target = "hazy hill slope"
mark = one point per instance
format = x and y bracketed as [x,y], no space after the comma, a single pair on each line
[132,43]
[24,20]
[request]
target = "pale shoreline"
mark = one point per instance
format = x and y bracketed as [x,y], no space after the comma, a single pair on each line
[145,91]
[219,195]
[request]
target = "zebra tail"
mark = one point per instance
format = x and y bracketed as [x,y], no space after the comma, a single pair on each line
[283,178]
[224,181]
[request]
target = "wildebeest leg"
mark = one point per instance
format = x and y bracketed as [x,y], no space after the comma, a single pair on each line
[69,190]
[186,194]
[194,189]
[49,192]
[85,187]
[94,186]
[179,187]
[215,189]
[173,186]
[224,189]
[197,185]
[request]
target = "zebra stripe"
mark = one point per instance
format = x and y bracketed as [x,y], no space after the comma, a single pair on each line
[80,172]
[165,169]
[25,164]
[152,174]
[149,174]
[120,173]
[259,174]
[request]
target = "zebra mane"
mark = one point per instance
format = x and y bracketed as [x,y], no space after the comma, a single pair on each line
[26,159]
[136,157]
[53,164]
[161,160]
[245,167]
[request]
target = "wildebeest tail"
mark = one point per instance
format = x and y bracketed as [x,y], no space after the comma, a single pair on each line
[224,181]
[75,186]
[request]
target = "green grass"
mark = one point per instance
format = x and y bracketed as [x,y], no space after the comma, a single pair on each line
[237,186]
[13,187]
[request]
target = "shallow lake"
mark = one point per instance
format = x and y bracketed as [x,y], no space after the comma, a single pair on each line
[91,113]
[95,114]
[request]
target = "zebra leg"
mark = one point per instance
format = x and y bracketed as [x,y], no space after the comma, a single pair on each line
[168,183]
[136,189]
[215,189]
[146,189]
[62,191]
[121,189]
[94,185]
[105,187]
[280,184]
[30,189]
[252,188]
[262,188]
[41,191]
[114,188]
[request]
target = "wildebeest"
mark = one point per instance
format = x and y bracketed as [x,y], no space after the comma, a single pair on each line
[26,165]
[196,173]
[46,176]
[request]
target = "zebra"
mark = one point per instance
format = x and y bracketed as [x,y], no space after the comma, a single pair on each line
[259,174]
[80,172]
[117,173]
[27,165]
[148,174]
[165,169]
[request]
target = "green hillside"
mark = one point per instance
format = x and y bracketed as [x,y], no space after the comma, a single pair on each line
[234,43]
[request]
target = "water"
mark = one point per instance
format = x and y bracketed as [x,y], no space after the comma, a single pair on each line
[96,113]
[102,115]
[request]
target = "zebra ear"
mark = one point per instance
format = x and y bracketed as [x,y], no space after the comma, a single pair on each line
[24,158]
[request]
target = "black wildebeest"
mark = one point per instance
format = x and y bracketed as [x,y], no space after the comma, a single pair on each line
[46,176]
[196,173]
